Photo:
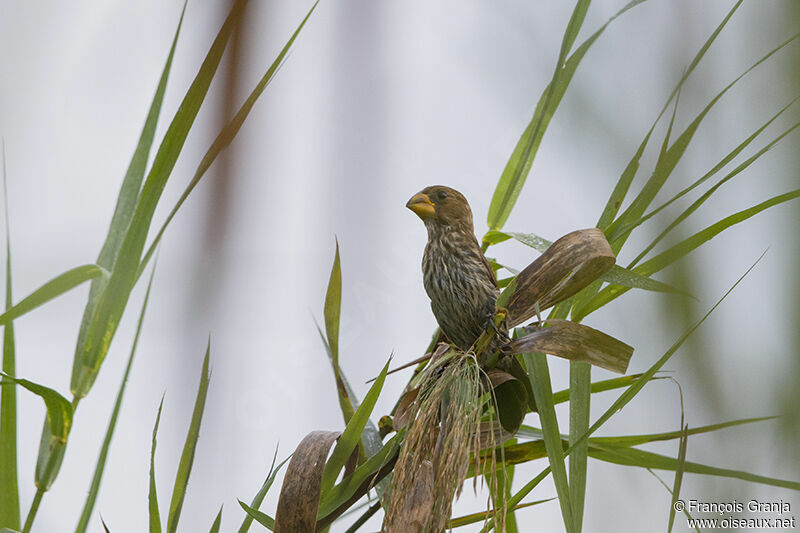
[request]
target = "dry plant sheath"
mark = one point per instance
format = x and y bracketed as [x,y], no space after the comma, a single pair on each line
[297,507]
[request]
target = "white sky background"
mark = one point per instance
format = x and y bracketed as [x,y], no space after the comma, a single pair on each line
[375,101]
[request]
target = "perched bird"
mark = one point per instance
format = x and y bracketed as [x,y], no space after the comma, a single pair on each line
[463,291]
[457,277]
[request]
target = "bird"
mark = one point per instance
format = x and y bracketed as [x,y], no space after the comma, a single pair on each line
[459,281]
[463,290]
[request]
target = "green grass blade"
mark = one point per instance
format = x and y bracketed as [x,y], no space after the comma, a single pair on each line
[719,166]
[112,302]
[94,488]
[639,384]
[645,459]
[519,164]
[129,192]
[684,247]
[598,386]
[187,457]
[332,314]
[689,244]
[521,493]
[352,432]
[661,481]
[623,184]
[262,492]
[540,382]
[474,518]
[59,410]
[226,136]
[631,279]
[670,158]
[344,490]
[217,522]
[697,203]
[55,430]
[499,482]
[676,487]
[262,518]
[636,440]
[52,289]
[580,380]
[152,497]
[370,438]
[9,479]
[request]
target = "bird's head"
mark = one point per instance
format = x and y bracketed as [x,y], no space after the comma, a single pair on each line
[441,206]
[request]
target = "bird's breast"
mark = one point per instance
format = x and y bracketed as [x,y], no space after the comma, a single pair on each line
[461,291]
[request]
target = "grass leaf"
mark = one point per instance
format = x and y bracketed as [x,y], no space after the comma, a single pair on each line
[474,518]
[669,159]
[187,457]
[262,518]
[152,497]
[364,474]
[52,289]
[638,384]
[719,166]
[262,492]
[635,440]
[644,459]
[676,487]
[9,479]
[598,386]
[217,522]
[580,376]
[352,433]
[519,164]
[128,194]
[94,488]
[677,251]
[59,410]
[623,184]
[332,314]
[540,382]
[225,137]
[112,302]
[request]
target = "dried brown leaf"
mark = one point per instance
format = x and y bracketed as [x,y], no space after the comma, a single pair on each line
[297,506]
[570,264]
[575,342]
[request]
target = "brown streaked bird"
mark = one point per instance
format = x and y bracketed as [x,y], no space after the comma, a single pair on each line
[458,279]
[463,291]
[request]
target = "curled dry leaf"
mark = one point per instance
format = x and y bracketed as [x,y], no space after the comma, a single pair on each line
[570,264]
[299,499]
[575,342]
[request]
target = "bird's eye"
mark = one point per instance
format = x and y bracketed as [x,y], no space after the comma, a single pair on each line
[441,195]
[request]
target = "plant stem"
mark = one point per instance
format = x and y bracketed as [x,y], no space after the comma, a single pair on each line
[364,517]
[37,499]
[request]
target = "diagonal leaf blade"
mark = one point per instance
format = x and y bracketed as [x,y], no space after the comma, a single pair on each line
[187,457]
[52,289]
[152,497]
[112,302]
[9,480]
[225,137]
[352,432]
[94,488]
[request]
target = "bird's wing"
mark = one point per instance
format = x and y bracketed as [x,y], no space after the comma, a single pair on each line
[491,273]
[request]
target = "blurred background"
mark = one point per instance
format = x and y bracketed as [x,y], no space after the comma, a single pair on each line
[375,101]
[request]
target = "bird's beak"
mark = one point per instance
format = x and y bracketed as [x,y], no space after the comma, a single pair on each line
[422,206]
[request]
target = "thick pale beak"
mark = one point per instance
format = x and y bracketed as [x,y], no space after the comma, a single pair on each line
[422,206]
